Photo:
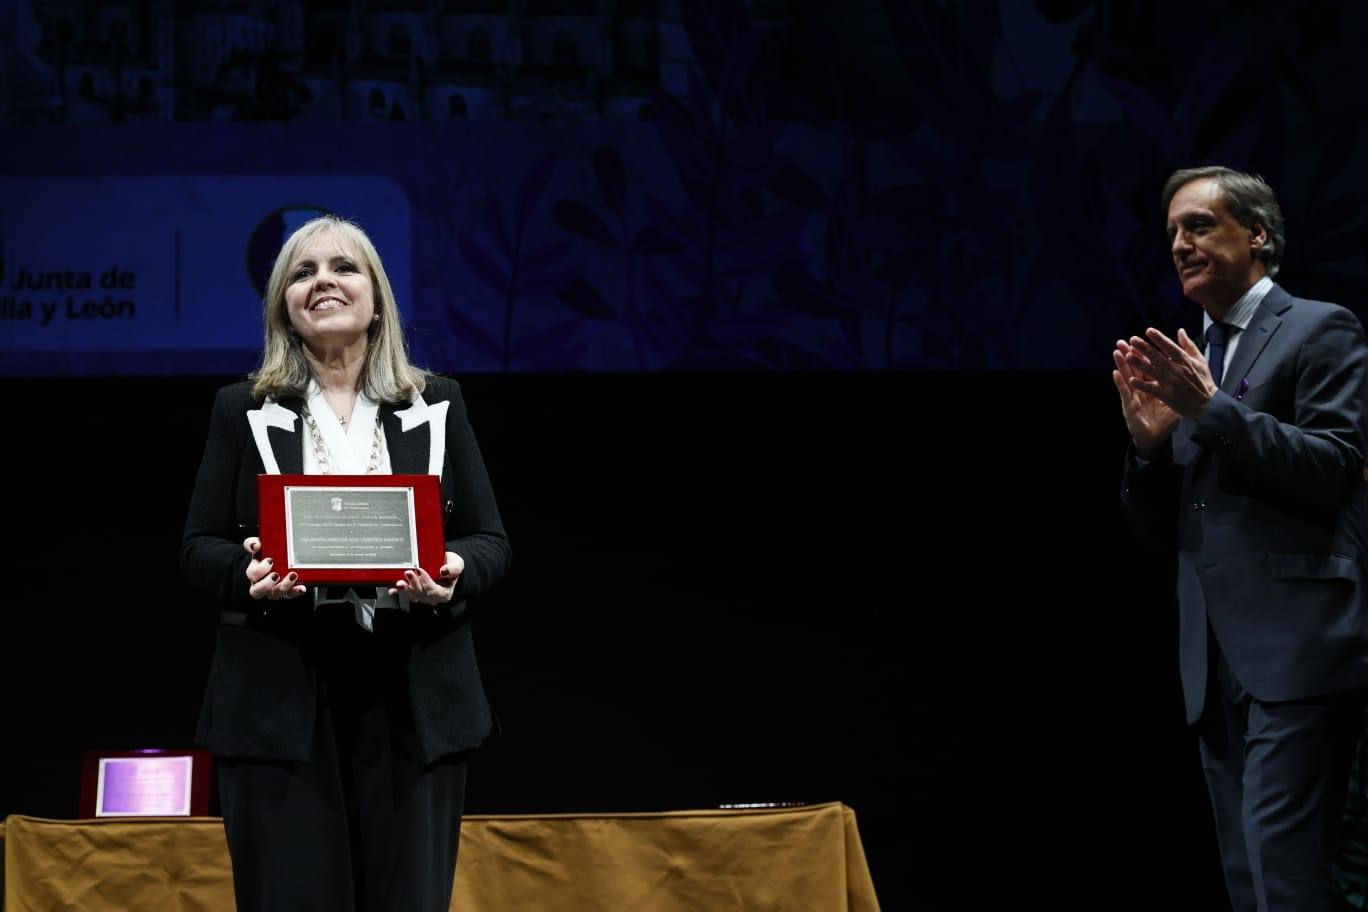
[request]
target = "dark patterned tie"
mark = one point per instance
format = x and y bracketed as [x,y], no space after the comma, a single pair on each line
[1217,336]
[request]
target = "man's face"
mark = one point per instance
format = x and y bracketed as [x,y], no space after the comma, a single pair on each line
[1216,257]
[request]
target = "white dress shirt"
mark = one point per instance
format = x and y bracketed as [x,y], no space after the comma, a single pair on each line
[1239,315]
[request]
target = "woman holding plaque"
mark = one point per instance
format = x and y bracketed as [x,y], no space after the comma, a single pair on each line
[340,717]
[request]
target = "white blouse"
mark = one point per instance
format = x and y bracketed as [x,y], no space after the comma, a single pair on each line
[349,453]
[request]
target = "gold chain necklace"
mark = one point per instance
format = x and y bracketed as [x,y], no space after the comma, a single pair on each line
[320,449]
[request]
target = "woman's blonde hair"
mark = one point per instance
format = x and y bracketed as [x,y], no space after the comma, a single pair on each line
[386,376]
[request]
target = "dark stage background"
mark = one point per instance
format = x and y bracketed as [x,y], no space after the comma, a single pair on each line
[908,592]
[784,327]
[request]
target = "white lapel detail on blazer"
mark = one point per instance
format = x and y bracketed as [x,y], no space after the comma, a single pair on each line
[271,414]
[435,417]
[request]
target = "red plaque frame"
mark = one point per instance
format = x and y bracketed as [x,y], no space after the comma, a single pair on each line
[427,511]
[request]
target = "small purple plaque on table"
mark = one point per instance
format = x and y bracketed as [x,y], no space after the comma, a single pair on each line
[152,782]
[143,787]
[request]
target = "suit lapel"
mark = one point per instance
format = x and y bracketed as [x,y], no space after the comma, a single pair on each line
[277,431]
[1255,337]
[416,436]
[407,449]
[289,445]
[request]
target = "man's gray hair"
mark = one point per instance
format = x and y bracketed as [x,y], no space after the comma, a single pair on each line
[1250,201]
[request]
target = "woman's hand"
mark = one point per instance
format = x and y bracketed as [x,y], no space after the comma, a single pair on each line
[423,588]
[266,583]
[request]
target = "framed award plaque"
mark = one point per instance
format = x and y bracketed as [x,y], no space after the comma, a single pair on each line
[145,783]
[364,529]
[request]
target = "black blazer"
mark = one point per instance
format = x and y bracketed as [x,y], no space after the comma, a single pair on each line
[1263,500]
[260,701]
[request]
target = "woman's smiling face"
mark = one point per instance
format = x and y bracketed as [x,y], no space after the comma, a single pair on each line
[329,296]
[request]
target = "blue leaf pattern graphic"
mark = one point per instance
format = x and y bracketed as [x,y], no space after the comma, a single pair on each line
[989,202]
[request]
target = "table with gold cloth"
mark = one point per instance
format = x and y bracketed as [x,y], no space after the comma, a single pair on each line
[803,858]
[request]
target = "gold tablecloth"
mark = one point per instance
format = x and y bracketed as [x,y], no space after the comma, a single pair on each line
[115,864]
[807,858]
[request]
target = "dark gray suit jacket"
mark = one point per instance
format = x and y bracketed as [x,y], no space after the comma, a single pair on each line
[261,696]
[1263,500]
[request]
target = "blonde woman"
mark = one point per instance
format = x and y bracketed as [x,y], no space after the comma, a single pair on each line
[340,718]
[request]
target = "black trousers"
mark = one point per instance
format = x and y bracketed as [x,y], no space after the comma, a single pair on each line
[1277,774]
[363,825]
